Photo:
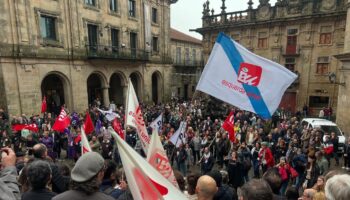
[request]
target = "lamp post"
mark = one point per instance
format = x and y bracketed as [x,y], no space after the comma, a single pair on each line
[333,79]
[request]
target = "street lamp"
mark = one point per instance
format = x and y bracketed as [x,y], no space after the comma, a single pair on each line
[333,79]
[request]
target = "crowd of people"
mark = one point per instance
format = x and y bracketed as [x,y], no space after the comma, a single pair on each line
[268,159]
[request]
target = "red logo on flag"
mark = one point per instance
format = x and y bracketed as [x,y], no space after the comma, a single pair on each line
[249,74]
[147,186]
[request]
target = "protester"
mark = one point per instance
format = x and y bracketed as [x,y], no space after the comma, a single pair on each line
[337,187]
[206,188]
[235,171]
[8,183]
[192,180]
[39,175]
[256,189]
[224,191]
[87,176]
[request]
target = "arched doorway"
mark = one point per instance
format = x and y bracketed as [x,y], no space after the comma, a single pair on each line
[55,88]
[116,87]
[156,87]
[94,89]
[136,82]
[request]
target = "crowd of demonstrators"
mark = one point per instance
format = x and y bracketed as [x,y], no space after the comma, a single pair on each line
[279,158]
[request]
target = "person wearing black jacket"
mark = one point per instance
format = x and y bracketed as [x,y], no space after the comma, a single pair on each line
[235,171]
[224,191]
[59,182]
[334,140]
[207,161]
[347,155]
[39,175]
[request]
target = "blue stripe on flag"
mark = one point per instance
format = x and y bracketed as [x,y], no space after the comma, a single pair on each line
[235,58]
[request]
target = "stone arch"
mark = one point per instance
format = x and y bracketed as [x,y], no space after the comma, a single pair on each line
[157,90]
[97,87]
[117,88]
[136,79]
[57,89]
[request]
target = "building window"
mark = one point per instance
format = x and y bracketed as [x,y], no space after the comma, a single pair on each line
[155,44]
[90,2]
[187,56]
[178,54]
[115,39]
[113,6]
[326,35]
[133,43]
[318,101]
[262,40]
[48,27]
[154,15]
[132,8]
[322,65]
[290,64]
[92,36]
[194,56]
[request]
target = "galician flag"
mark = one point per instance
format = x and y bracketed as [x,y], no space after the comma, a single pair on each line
[145,182]
[85,146]
[241,78]
[157,123]
[157,157]
[179,136]
[134,117]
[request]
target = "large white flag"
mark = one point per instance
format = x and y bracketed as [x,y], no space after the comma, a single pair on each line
[244,79]
[157,123]
[134,117]
[157,157]
[179,136]
[109,114]
[85,146]
[145,182]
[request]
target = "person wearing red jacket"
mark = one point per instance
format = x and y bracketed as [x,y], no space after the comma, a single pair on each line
[265,157]
[328,149]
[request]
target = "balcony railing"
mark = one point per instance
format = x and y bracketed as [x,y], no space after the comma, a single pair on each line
[231,17]
[189,62]
[115,52]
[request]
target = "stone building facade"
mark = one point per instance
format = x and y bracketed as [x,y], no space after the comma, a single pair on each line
[74,52]
[302,35]
[343,115]
[187,55]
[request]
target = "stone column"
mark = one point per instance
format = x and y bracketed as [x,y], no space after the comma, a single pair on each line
[105,96]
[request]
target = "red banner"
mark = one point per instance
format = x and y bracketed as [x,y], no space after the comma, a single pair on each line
[62,122]
[229,126]
[118,128]
[43,105]
[32,127]
[88,125]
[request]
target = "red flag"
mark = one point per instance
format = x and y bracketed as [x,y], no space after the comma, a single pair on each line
[118,128]
[62,122]
[43,105]
[88,125]
[229,126]
[32,127]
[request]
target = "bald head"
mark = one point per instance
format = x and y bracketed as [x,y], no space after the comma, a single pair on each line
[206,188]
[40,151]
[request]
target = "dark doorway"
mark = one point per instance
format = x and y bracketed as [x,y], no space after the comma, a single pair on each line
[52,87]
[116,93]
[156,87]
[186,92]
[94,87]
[136,82]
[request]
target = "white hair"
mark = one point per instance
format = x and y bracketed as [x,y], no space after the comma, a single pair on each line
[338,187]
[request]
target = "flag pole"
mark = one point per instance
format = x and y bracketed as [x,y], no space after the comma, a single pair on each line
[126,103]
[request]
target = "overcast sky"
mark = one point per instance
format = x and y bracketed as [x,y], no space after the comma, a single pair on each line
[187,14]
